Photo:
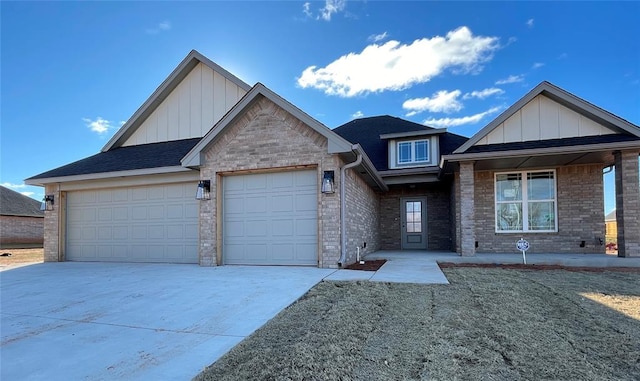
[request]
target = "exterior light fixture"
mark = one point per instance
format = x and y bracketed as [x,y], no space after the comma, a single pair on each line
[204,190]
[328,182]
[47,202]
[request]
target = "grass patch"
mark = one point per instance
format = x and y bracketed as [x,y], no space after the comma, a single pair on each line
[488,324]
[21,256]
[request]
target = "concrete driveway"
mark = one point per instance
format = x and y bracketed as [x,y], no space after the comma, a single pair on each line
[100,321]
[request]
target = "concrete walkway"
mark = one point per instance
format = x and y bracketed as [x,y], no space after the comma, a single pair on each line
[422,267]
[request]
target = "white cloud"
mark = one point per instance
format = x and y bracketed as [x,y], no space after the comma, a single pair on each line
[563,56]
[306,9]
[28,194]
[442,101]
[357,114]
[378,37]
[396,66]
[482,94]
[511,79]
[454,122]
[537,65]
[14,186]
[161,27]
[530,23]
[332,7]
[100,125]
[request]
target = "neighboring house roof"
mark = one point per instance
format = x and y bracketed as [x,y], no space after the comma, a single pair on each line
[367,132]
[163,91]
[611,216]
[145,156]
[13,203]
[565,99]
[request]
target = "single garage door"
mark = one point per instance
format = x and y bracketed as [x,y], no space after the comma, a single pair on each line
[271,219]
[156,223]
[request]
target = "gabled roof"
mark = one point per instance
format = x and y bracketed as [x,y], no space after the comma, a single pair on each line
[163,91]
[336,143]
[564,98]
[371,132]
[164,155]
[13,203]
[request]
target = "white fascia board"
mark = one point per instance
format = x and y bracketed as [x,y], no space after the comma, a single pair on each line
[564,98]
[398,135]
[165,88]
[336,144]
[108,175]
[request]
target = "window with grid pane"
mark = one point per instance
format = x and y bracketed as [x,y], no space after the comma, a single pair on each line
[526,201]
[412,152]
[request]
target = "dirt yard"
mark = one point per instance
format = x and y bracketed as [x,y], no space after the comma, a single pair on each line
[488,324]
[16,257]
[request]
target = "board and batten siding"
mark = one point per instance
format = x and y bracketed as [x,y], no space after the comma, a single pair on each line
[543,119]
[202,98]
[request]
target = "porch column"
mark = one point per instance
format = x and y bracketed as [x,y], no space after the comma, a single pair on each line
[628,202]
[52,225]
[467,210]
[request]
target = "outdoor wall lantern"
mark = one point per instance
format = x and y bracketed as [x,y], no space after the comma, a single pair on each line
[328,182]
[204,190]
[47,202]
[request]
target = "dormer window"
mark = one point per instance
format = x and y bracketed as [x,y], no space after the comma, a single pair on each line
[413,152]
[413,149]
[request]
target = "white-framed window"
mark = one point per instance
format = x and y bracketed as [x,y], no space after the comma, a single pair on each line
[411,152]
[526,201]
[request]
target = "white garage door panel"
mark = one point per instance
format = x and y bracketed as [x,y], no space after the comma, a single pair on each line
[271,219]
[144,224]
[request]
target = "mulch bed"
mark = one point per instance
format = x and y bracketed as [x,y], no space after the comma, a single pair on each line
[520,266]
[373,265]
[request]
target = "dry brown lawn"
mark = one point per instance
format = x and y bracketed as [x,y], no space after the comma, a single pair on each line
[488,324]
[21,256]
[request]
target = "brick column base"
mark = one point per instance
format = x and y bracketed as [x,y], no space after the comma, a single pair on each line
[628,203]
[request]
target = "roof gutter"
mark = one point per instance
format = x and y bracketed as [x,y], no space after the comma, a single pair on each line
[343,204]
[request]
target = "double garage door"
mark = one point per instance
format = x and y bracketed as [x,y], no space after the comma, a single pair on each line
[270,218]
[156,223]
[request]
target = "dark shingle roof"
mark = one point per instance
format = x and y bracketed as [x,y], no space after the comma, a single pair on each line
[367,131]
[154,155]
[552,143]
[13,203]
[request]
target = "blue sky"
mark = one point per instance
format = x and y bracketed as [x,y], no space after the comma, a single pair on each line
[73,72]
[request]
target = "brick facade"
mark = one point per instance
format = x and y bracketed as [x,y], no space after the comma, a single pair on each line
[580,216]
[21,231]
[52,227]
[438,215]
[362,217]
[266,137]
[627,203]
[467,209]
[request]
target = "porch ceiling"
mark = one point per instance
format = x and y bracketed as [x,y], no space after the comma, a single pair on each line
[537,161]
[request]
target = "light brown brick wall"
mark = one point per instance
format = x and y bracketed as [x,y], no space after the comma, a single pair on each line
[627,203]
[16,231]
[266,137]
[52,224]
[362,218]
[438,215]
[580,216]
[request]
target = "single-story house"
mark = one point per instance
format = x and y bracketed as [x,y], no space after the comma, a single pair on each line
[275,186]
[21,220]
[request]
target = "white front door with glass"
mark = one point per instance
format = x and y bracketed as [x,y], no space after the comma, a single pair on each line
[414,223]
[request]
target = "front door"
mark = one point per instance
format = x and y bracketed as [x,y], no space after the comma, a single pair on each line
[414,223]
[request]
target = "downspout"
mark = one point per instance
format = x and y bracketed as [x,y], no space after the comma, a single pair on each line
[343,206]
